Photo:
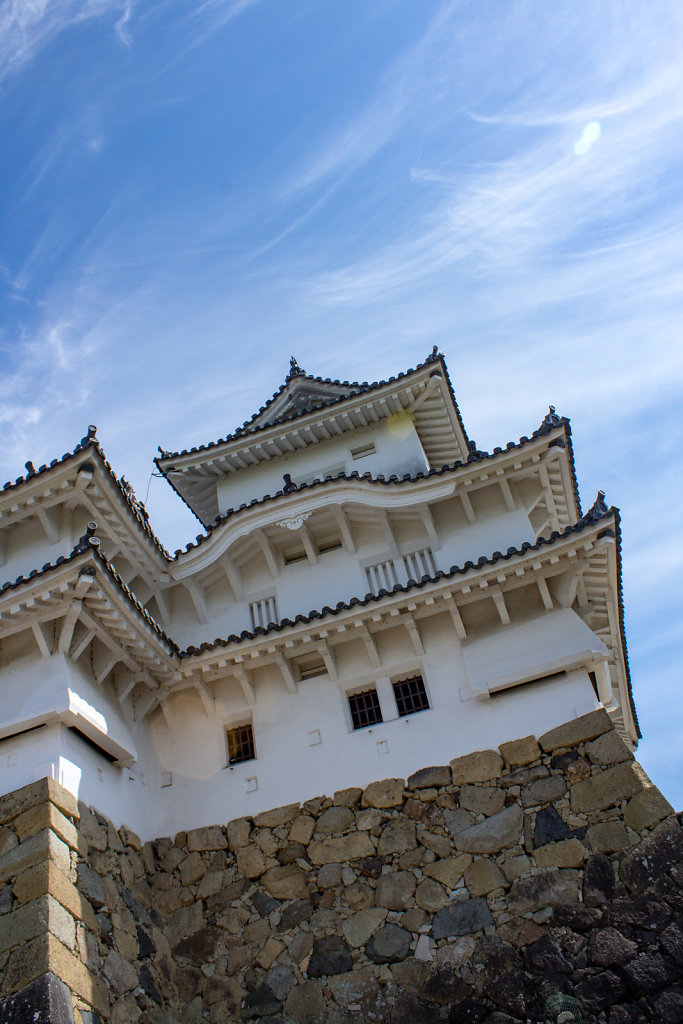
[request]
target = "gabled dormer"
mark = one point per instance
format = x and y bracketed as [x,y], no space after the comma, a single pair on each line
[313,427]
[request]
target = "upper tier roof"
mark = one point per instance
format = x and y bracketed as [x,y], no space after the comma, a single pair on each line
[307,410]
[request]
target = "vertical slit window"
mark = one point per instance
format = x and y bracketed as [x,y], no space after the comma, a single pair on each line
[263,612]
[381,576]
[419,563]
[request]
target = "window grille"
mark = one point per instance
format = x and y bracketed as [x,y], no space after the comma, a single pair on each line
[365,709]
[419,563]
[411,696]
[311,665]
[381,576]
[363,451]
[263,612]
[240,744]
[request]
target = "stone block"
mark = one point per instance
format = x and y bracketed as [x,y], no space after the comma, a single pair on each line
[440,845]
[91,885]
[191,869]
[46,879]
[238,831]
[598,880]
[515,867]
[94,833]
[608,749]
[426,778]
[330,955]
[47,954]
[41,916]
[609,787]
[517,753]
[549,827]
[483,876]
[457,820]
[397,836]
[607,837]
[130,838]
[211,838]
[493,834]
[200,947]
[579,730]
[41,847]
[551,888]
[568,853]
[306,1004]
[544,791]
[359,927]
[277,816]
[609,948]
[389,945]
[339,850]
[286,883]
[395,891]
[47,999]
[336,819]
[430,895]
[44,790]
[520,931]
[301,829]
[461,918]
[250,861]
[354,987]
[655,855]
[385,793]
[350,797]
[479,766]
[120,974]
[269,953]
[42,816]
[482,799]
[646,808]
[448,871]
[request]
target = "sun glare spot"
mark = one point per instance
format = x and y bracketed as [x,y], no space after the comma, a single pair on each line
[590,134]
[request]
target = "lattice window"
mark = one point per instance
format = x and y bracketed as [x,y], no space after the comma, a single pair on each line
[419,563]
[411,696]
[365,708]
[240,744]
[263,612]
[381,576]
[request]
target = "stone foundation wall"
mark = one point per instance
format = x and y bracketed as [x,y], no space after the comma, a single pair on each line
[470,892]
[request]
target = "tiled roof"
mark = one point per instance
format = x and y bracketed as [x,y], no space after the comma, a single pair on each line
[91,443]
[550,422]
[89,545]
[251,427]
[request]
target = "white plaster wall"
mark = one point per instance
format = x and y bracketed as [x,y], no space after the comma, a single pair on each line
[398,450]
[27,546]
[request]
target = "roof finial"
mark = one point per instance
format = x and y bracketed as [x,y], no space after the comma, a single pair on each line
[294,369]
[597,509]
[433,356]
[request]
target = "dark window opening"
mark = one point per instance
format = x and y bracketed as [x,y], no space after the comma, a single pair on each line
[241,744]
[365,709]
[411,696]
[594,683]
[329,545]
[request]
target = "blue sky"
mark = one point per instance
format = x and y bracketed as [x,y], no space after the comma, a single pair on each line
[192,192]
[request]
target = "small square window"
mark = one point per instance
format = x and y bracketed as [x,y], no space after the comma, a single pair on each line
[240,744]
[365,709]
[411,696]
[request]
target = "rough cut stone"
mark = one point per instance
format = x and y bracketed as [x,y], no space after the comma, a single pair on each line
[648,972]
[608,749]
[200,946]
[336,819]
[395,891]
[278,816]
[544,791]
[568,853]
[493,834]
[482,799]
[646,808]
[479,766]
[301,829]
[430,895]
[398,835]
[121,975]
[607,836]
[520,752]
[260,1003]
[47,999]
[428,777]
[330,955]
[386,793]
[338,850]
[285,883]
[609,948]
[600,991]
[348,797]
[520,931]
[359,927]
[549,827]
[598,881]
[657,853]
[608,787]
[580,730]
[211,838]
[354,987]
[458,820]
[306,1004]
[390,944]
[238,831]
[461,918]
[250,862]
[483,876]
[448,871]
[551,888]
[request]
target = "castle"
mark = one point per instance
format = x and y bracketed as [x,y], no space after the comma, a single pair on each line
[369,592]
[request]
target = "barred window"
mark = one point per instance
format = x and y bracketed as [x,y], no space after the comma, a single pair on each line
[411,696]
[263,612]
[365,709]
[240,744]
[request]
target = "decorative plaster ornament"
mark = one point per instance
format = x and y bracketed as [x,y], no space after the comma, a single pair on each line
[294,522]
